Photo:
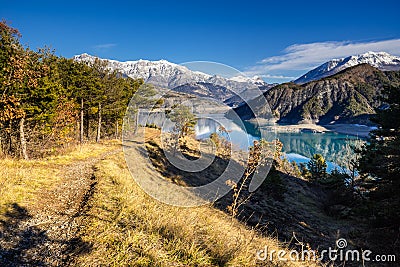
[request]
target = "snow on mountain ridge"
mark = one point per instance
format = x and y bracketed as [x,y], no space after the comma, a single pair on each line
[170,75]
[380,60]
[254,79]
[161,73]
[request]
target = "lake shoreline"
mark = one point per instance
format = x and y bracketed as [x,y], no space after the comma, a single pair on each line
[349,129]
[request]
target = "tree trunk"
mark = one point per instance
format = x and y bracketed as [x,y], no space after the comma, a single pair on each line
[22,138]
[99,125]
[87,124]
[81,128]
[1,146]
[116,129]
[78,130]
[10,142]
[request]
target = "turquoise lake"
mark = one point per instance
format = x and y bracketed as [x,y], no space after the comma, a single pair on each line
[298,147]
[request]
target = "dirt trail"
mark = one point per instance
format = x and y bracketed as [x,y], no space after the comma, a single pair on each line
[46,233]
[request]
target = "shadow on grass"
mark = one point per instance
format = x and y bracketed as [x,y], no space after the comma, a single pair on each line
[190,179]
[22,244]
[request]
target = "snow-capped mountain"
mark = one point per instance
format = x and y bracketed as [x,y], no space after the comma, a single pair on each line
[380,60]
[161,73]
[169,75]
[242,79]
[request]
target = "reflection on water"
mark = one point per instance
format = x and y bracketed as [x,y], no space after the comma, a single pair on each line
[240,139]
[298,146]
[331,145]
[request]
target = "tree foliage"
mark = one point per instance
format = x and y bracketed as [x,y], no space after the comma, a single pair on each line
[46,101]
[184,120]
[380,157]
[317,167]
[380,160]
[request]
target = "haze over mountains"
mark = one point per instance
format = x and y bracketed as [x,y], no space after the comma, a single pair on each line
[380,60]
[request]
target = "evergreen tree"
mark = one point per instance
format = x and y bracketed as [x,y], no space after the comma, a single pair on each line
[184,120]
[380,157]
[122,90]
[380,162]
[317,167]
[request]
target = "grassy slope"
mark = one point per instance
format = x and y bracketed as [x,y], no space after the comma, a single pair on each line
[127,227]
[124,226]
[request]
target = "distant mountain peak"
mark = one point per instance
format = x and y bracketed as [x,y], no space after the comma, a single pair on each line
[254,79]
[160,72]
[170,75]
[380,60]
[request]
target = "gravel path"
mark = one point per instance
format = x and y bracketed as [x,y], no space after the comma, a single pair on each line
[46,234]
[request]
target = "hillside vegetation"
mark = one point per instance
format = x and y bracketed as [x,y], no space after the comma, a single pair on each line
[350,96]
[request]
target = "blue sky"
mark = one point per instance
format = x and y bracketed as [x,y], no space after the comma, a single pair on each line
[277,40]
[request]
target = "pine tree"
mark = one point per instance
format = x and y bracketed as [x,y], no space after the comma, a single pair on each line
[380,157]
[379,164]
[317,167]
[184,120]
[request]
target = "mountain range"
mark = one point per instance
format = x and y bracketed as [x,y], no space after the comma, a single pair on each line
[342,90]
[179,78]
[380,60]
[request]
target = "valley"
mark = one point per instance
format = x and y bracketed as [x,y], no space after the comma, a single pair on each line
[108,162]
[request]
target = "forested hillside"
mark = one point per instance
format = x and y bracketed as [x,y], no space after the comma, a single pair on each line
[350,96]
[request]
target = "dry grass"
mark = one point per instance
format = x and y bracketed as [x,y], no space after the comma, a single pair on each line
[20,180]
[127,227]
